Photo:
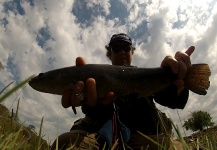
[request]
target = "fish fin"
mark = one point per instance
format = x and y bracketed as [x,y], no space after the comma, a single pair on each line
[197,78]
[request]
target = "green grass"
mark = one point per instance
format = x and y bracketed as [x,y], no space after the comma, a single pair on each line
[15,136]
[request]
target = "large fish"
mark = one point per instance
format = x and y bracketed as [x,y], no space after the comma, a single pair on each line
[121,80]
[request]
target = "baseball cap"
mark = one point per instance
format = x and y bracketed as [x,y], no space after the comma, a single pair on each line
[120,37]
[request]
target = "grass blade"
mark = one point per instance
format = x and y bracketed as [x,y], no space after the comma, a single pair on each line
[6,87]
[153,141]
[16,115]
[2,98]
[1,66]
[39,135]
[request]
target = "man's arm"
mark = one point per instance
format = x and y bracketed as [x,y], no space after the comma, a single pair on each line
[170,97]
[176,96]
[179,65]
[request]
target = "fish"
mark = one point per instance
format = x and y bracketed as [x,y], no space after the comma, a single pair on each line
[121,80]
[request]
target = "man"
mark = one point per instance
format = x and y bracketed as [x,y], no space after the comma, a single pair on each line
[132,111]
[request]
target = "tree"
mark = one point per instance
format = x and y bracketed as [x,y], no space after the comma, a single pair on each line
[198,120]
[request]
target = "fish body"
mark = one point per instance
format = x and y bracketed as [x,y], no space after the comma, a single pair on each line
[120,79]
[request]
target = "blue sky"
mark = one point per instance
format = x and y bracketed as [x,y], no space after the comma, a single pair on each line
[38,36]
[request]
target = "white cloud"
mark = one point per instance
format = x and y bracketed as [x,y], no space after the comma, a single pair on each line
[104,4]
[162,27]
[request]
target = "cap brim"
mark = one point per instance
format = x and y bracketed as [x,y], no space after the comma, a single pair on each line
[120,40]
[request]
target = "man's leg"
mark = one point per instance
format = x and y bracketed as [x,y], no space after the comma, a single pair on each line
[76,139]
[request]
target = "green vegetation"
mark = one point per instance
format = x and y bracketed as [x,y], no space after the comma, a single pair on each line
[198,121]
[14,135]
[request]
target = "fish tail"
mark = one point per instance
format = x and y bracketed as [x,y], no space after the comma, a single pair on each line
[197,78]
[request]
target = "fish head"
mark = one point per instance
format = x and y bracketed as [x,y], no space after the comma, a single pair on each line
[49,82]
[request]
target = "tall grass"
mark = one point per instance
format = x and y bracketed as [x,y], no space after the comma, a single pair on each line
[7,94]
[14,136]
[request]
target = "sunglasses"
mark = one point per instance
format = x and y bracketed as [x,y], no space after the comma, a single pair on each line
[118,48]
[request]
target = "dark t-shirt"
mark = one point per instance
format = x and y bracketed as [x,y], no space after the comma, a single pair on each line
[139,113]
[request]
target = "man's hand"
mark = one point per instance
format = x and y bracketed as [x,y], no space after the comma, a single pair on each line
[179,65]
[70,98]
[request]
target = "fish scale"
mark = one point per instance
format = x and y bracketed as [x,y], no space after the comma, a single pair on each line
[121,80]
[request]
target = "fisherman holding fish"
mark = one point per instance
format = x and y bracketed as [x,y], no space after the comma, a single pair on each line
[118,120]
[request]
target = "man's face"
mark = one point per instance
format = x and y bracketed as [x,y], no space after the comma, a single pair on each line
[121,54]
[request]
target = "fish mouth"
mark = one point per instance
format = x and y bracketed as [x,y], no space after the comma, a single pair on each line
[36,85]
[32,82]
